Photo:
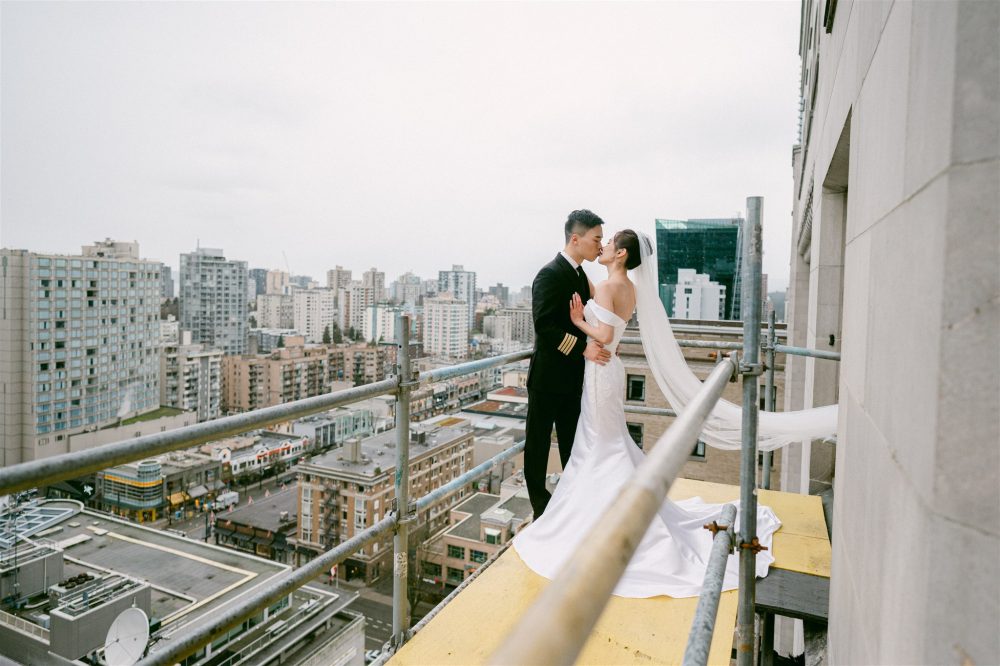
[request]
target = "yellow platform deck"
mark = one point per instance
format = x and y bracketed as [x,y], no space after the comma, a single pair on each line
[630,631]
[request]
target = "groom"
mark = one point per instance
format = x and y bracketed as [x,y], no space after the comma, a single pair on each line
[555,376]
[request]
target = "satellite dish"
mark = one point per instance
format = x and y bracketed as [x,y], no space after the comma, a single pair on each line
[127,638]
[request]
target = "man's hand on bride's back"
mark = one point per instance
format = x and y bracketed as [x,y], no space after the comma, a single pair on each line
[596,352]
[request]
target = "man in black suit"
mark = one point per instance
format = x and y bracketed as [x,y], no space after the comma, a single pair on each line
[555,377]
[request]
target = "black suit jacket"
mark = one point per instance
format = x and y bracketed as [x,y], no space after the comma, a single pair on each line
[557,363]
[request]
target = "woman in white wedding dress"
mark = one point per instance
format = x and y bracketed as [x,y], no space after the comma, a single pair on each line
[672,557]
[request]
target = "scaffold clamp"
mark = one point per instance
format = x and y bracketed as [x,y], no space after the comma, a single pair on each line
[753,546]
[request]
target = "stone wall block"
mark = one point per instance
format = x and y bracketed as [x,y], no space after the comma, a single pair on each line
[972,240]
[962,594]
[854,325]
[977,83]
[929,110]
[901,393]
[876,178]
[967,473]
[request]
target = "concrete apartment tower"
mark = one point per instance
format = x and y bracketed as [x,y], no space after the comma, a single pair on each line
[446,327]
[79,338]
[461,284]
[213,300]
[894,262]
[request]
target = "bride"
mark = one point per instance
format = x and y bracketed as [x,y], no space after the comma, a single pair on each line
[672,557]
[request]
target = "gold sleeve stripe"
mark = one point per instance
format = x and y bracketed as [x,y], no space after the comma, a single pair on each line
[567,344]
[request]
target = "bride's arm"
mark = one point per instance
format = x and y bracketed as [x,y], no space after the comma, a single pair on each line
[603,333]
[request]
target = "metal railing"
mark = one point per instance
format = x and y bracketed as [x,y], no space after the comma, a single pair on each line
[589,581]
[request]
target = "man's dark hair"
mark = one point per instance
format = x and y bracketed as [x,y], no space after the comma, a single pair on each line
[580,222]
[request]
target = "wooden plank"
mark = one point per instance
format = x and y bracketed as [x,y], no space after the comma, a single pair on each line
[802,554]
[794,594]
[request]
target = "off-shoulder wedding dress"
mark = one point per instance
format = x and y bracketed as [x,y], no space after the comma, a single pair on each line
[673,555]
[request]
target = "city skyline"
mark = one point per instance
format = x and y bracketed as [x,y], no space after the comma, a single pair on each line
[467,142]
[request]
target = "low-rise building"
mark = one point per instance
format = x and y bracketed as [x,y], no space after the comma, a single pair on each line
[350,488]
[479,527]
[90,567]
[335,427]
[265,527]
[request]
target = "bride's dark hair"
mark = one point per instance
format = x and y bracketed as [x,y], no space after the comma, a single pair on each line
[627,240]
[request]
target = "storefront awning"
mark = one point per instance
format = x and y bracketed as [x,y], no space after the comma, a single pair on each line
[218,485]
[198,491]
[178,498]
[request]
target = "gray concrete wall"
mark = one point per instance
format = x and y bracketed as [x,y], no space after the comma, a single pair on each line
[916,534]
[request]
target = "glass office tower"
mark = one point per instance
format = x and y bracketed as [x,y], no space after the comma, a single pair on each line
[709,246]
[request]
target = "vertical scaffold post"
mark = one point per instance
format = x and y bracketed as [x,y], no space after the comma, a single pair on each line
[751,307]
[769,395]
[400,545]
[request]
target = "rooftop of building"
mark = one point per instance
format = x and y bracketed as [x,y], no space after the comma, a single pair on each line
[483,506]
[378,453]
[503,409]
[266,510]
[703,223]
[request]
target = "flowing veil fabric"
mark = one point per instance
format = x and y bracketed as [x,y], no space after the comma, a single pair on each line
[679,384]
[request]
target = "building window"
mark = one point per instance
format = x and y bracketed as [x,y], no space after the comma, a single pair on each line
[360,512]
[698,453]
[455,575]
[635,430]
[477,556]
[492,536]
[432,569]
[635,387]
[456,552]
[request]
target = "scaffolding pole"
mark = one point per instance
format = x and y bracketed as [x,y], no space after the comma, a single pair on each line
[703,625]
[751,370]
[769,395]
[400,540]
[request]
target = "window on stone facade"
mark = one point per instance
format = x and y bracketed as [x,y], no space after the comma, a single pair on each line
[432,569]
[492,536]
[456,552]
[698,453]
[635,387]
[635,430]
[455,575]
[477,556]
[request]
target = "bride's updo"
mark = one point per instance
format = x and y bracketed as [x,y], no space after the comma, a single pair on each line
[627,240]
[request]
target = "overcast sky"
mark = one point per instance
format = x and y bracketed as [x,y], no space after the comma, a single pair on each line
[406,136]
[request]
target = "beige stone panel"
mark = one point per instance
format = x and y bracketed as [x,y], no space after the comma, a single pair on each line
[878,126]
[854,345]
[977,83]
[906,275]
[929,109]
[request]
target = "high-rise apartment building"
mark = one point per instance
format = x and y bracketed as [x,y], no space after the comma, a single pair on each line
[78,344]
[461,284]
[374,279]
[277,282]
[256,282]
[288,373]
[696,296]
[313,312]
[501,292]
[408,288]
[446,327]
[708,246]
[522,326]
[190,373]
[166,283]
[275,311]
[337,277]
[380,322]
[353,300]
[213,303]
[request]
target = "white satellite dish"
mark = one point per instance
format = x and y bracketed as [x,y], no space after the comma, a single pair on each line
[127,638]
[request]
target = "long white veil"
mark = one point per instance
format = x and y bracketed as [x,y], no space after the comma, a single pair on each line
[679,384]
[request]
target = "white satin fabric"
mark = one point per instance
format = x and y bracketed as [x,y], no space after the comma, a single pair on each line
[672,557]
